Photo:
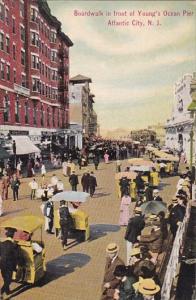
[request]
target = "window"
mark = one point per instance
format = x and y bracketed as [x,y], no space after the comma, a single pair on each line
[23,57]
[2,70]
[26,108]
[2,12]
[13,26]
[23,81]
[17,110]
[34,39]
[1,41]
[46,91]
[58,118]
[53,55]
[43,89]
[48,116]
[7,16]
[22,9]
[46,71]
[40,45]
[34,114]
[53,37]
[35,62]
[6,112]
[43,69]
[14,51]
[35,85]
[46,51]
[34,15]
[14,75]
[53,117]
[42,115]
[7,44]
[22,33]
[42,48]
[8,72]
[53,75]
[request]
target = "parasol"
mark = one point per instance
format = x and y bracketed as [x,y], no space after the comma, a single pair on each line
[153,207]
[71,196]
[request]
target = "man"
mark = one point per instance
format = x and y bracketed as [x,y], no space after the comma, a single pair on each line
[5,186]
[148,192]
[34,186]
[177,213]
[73,180]
[134,228]
[124,186]
[15,183]
[49,211]
[139,183]
[92,184]
[85,182]
[156,196]
[9,259]
[110,282]
[65,218]
[146,289]
[96,161]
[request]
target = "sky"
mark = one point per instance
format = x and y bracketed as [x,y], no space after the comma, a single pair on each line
[133,67]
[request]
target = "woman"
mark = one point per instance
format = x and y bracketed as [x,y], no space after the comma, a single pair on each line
[125,291]
[124,210]
[106,158]
[163,225]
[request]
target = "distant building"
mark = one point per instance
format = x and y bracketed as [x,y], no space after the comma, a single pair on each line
[34,71]
[160,132]
[81,105]
[179,126]
[143,135]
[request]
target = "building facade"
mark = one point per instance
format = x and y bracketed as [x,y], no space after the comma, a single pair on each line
[160,132]
[34,70]
[82,112]
[143,135]
[179,126]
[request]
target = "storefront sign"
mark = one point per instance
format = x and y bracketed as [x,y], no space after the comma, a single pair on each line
[18,132]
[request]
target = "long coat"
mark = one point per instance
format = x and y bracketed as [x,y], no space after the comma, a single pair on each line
[134,228]
[107,294]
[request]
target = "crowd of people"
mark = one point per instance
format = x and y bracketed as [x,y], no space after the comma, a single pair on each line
[146,237]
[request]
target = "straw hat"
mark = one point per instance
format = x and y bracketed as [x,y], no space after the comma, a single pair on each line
[174,200]
[138,209]
[147,230]
[112,248]
[148,287]
[156,191]
[153,217]
[135,251]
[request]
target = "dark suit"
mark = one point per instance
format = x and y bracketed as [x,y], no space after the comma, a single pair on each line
[9,259]
[110,266]
[73,179]
[176,215]
[92,184]
[134,228]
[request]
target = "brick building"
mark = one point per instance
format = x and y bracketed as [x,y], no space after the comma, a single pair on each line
[34,70]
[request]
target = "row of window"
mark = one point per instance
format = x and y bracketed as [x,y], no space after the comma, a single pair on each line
[43,89]
[50,113]
[51,35]
[5,16]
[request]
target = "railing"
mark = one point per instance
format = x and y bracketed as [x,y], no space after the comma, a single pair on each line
[174,257]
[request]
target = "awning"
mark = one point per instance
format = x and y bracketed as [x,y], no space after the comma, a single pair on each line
[24,145]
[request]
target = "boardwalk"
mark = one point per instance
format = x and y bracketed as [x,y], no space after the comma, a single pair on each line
[77,273]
